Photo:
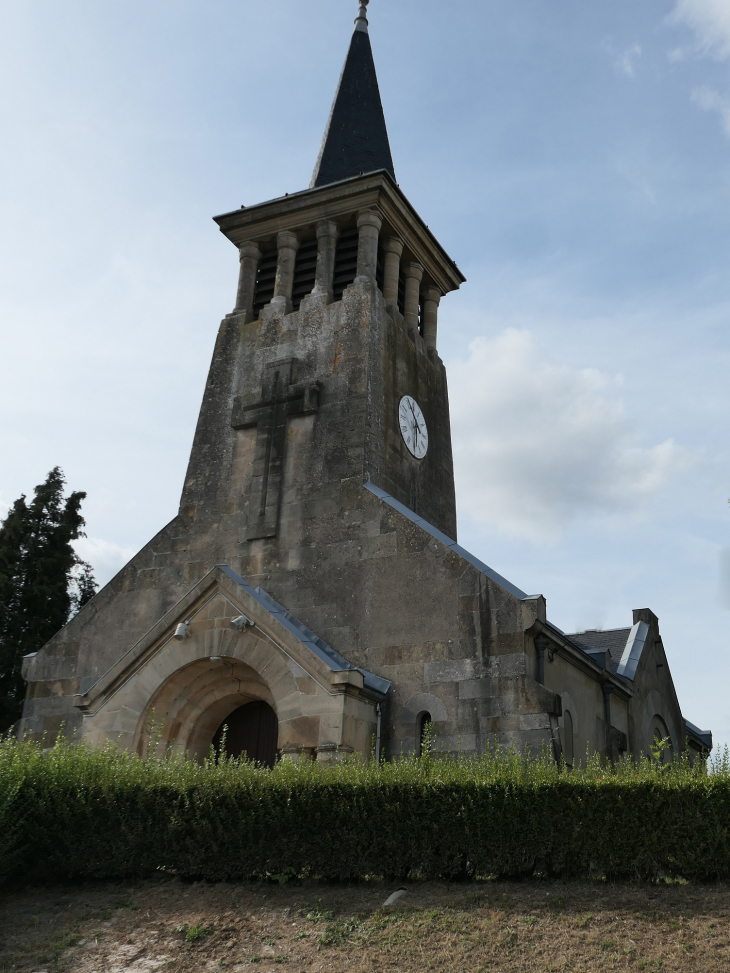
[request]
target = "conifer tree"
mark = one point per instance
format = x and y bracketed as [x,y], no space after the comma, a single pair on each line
[42,581]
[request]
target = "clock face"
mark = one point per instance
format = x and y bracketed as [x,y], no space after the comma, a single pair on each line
[413,426]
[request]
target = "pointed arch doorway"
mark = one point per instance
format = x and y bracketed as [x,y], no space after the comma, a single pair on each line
[252,731]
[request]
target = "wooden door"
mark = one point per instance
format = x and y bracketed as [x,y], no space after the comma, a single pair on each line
[252,729]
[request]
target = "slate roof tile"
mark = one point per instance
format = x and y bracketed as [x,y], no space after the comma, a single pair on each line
[612,639]
[356,137]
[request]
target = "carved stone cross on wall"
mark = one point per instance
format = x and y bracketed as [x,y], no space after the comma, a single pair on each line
[279,400]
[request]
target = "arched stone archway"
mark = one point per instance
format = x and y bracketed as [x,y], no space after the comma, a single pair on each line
[186,711]
[183,692]
[223,646]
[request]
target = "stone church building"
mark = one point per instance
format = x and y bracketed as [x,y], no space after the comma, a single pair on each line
[310,594]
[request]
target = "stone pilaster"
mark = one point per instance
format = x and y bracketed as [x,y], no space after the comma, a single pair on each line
[249,255]
[369,224]
[327,234]
[287,244]
[414,275]
[431,301]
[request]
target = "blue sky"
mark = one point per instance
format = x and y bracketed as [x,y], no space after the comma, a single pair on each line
[573,158]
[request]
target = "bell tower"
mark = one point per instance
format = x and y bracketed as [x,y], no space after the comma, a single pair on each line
[327,369]
[322,448]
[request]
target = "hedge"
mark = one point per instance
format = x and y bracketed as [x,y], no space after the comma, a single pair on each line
[76,812]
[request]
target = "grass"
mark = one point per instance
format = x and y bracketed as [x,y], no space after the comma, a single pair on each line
[194,934]
[497,927]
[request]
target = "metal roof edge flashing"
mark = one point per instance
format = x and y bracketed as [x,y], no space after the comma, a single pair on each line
[562,639]
[310,190]
[445,540]
[632,653]
[377,687]
[703,736]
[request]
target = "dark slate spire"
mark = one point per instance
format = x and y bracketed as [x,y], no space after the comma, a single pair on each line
[356,139]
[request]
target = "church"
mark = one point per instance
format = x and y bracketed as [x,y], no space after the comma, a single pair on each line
[311,596]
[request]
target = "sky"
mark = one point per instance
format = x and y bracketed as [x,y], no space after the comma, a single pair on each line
[572,157]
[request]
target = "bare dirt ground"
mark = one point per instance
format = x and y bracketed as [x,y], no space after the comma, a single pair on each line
[500,927]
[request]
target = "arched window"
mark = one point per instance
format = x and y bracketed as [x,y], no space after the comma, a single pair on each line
[568,738]
[253,730]
[660,734]
[424,724]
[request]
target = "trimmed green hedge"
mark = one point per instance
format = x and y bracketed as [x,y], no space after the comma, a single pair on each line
[77,812]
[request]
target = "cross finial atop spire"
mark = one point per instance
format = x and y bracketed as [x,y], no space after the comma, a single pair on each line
[362,16]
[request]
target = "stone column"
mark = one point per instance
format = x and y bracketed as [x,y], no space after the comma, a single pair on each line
[414,274]
[369,224]
[393,252]
[327,234]
[287,244]
[431,301]
[249,255]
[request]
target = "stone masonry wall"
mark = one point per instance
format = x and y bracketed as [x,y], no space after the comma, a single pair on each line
[381,591]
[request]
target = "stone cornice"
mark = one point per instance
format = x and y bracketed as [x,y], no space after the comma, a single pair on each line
[339,202]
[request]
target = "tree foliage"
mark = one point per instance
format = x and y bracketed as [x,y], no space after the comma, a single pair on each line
[42,580]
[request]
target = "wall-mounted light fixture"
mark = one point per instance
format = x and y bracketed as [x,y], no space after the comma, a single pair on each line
[240,623]
[182,631]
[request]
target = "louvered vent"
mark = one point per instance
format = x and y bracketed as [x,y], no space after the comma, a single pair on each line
[345,262]
[265,278]
[304,272]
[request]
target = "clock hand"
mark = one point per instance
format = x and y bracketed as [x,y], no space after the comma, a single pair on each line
[415,417]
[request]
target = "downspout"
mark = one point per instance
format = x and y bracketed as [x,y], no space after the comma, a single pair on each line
[378,710]
[541,643]
[607,690]
[555,738]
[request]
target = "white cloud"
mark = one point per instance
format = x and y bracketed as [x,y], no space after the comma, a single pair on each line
[536,445]
[105,557]
[708,99]
[710,20]
[625,62]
